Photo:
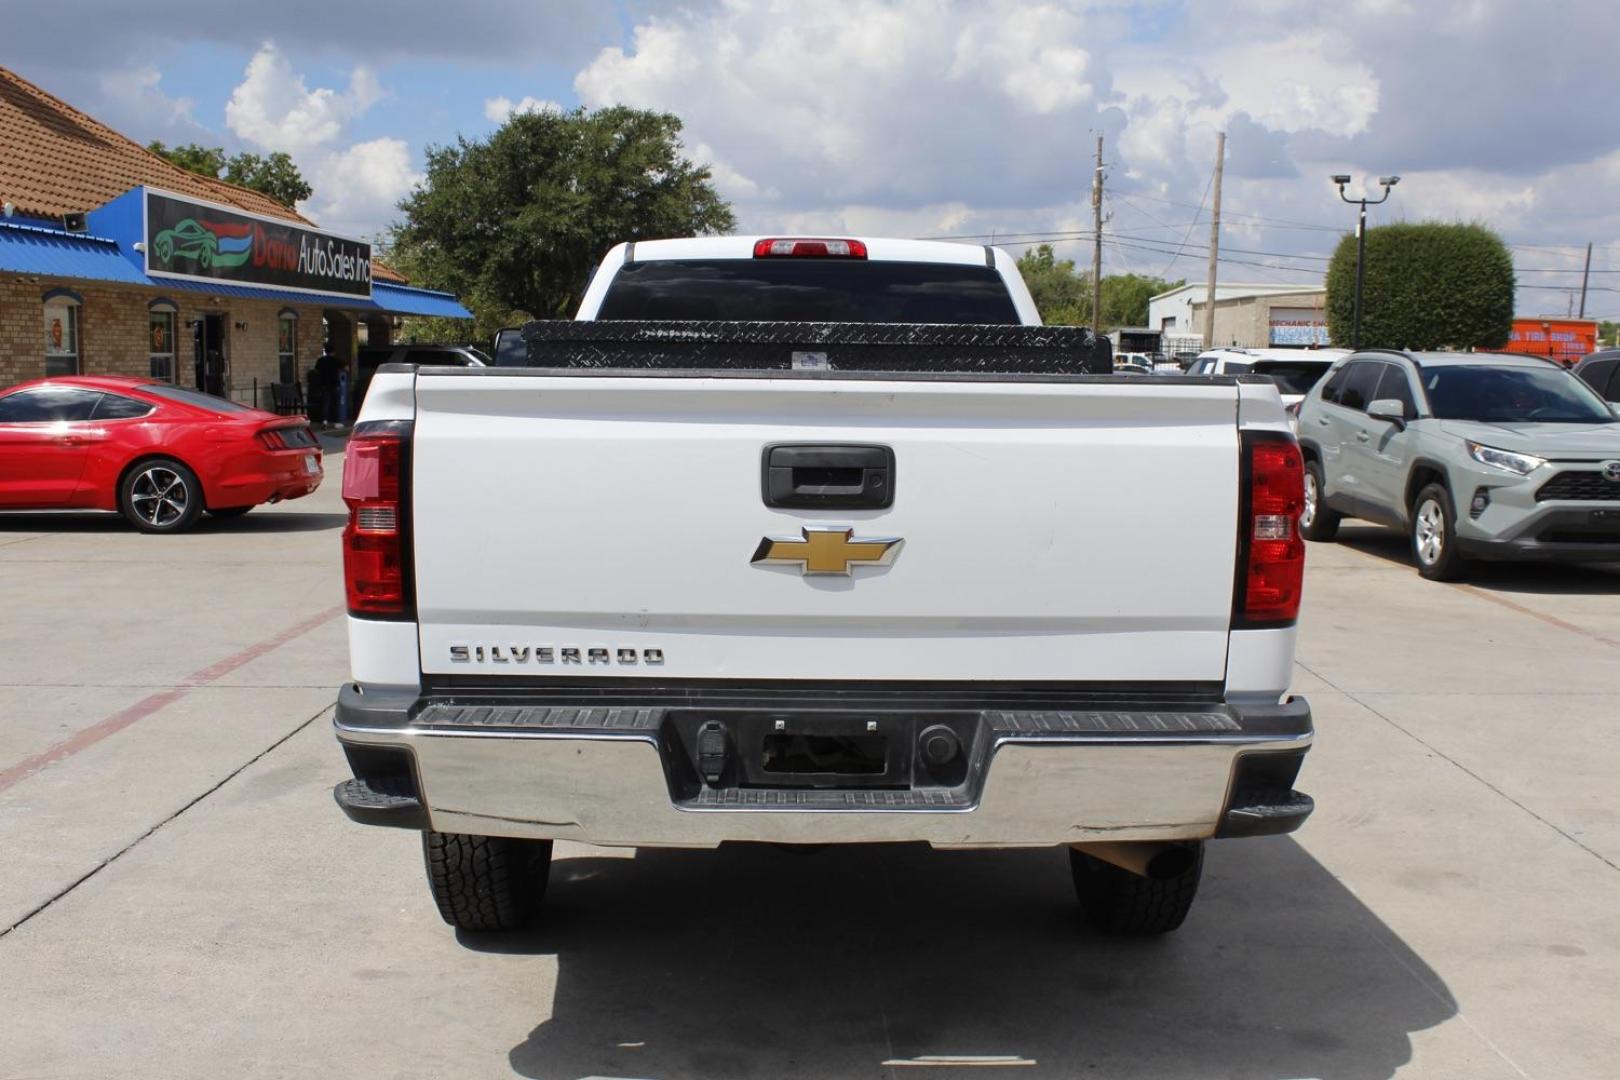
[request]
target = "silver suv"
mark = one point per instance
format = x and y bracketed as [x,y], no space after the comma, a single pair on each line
[1475,455]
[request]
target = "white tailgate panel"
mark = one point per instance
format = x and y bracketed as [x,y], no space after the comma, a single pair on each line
[1052,530]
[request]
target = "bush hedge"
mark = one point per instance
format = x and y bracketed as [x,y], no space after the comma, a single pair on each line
[1427,286]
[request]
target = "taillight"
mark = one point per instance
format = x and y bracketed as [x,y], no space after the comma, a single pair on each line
[376,487]
[1271,553]
[287,438]
[821,249]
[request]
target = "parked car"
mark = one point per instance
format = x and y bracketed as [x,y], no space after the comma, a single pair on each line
[1295,373]
[1131,369]
[370,358]
[1601,371]
[863,588]
[158,454]
[1222,362]
[1474,456]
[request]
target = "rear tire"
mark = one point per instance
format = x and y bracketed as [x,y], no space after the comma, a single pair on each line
[1316,521]
[1124,904]
[1434,535]
[486,882]
[160,495]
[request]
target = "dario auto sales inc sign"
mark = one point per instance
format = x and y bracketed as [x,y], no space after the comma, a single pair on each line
[201,240]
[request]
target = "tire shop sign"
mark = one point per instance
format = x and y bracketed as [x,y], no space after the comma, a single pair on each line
[188,239]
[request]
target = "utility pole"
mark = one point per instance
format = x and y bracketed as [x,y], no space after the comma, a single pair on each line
[1214,241]
[1096,241]
[1585,274]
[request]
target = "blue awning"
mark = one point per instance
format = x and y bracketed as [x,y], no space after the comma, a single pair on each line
[406,300]
[29,249]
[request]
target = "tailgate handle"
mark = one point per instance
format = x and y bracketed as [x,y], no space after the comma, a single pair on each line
[806,476]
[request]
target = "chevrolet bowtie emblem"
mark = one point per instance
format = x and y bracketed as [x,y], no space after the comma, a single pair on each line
[823,550]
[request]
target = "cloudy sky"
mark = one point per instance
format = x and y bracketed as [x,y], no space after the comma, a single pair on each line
[961,118]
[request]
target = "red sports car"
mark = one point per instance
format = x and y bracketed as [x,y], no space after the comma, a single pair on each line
[159,454]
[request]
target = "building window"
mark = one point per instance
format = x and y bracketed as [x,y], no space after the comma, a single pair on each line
[160,315]
[61,333]
[287,345]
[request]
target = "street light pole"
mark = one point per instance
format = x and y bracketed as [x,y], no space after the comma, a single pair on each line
[1361,244]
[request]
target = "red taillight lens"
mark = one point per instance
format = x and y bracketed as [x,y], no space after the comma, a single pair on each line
[287,438]
[1271,553]
[819,249]
[375,546]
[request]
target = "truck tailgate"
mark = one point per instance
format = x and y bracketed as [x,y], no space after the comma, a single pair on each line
[1052,530]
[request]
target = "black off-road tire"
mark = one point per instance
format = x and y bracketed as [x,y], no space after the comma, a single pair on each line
[1449,565]
[1121,903]
[486,882]
[1323,523]
[160,495]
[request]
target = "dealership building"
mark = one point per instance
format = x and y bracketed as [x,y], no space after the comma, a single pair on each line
[113,261]
[1249,316]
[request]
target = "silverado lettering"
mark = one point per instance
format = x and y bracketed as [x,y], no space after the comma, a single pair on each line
[547,654]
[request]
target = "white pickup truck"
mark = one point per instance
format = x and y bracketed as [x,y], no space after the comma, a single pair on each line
[815,541]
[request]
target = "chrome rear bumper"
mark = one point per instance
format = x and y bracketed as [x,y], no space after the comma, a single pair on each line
[612,775]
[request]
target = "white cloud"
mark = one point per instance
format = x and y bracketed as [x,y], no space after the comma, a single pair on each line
[357,189]
[274,108]
[357,185]
[888,104]
[499,109]
[142,105]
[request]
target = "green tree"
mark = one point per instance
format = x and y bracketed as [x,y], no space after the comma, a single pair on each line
[1125,298]
[514,224]
[1427,286]
[1608,334]
[1062,295]
[203,160]
[275,176]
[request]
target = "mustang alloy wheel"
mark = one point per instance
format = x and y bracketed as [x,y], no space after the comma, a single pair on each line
[161,495]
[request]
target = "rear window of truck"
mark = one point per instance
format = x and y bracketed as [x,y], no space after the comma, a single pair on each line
[807,290]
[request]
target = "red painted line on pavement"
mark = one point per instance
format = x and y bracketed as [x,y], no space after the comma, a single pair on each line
[150,704]
[1550,620]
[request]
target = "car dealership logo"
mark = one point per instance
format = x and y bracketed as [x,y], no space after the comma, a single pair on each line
[205,243]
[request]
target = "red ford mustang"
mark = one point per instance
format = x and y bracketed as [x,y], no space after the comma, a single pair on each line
[159,454]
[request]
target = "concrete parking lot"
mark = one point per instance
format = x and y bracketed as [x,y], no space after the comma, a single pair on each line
[180,897]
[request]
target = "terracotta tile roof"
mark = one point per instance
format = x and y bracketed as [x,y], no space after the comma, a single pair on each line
[54,159]
[381,272]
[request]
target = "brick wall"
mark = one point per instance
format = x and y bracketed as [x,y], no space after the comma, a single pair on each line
[113,333]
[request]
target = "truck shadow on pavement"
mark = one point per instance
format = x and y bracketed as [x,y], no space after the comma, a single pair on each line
[1547,579]
[256,521]
[759,962]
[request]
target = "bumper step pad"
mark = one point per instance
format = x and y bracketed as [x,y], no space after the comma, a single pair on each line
[1265,813]
[389,801]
